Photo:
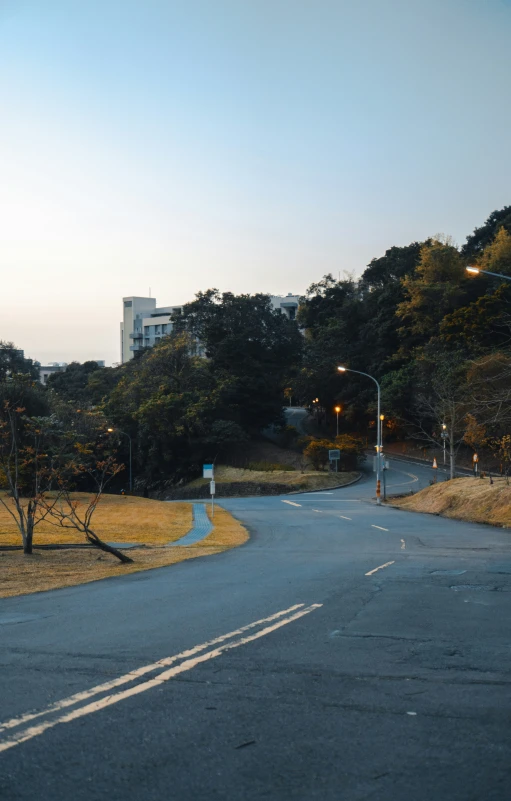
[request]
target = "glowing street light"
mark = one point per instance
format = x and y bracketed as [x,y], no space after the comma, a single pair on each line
[378,422]
[476,271]
[337,410]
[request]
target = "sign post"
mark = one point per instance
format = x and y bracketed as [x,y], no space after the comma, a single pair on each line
[334,456]
[208,471]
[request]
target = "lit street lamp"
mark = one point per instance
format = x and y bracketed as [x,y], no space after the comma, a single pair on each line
[378,420]
[337,409]
[444,437]
[476,271]
[110,431]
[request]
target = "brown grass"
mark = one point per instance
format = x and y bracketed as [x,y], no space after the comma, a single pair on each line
[118,518]
[295,480]
[48,570]
[471,499]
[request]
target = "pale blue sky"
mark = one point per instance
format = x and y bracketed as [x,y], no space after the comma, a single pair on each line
[252,145]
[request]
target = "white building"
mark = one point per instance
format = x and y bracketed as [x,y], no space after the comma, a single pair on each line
[144,324]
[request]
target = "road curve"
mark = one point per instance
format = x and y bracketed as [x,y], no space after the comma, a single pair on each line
[347,651]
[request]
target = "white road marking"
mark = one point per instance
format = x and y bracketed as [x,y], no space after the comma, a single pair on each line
[403,545]
[317,510]
[380,527]
[35,731]
[402,483]
[411,713]
[387,564]
[135,674]
[292,503]
[344,517]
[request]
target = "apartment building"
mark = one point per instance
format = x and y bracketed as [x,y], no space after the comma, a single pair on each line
[144,324]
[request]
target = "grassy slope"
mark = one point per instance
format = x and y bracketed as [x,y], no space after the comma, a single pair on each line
[292,479]
[47,570]
[471,499]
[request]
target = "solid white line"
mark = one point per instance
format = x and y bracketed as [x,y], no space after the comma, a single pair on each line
[136,674]
[344,517]
[380,527]
[292,503]
[109,700]
[387,564]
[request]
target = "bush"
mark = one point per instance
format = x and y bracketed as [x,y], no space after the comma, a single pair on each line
[317,452]
[351,448]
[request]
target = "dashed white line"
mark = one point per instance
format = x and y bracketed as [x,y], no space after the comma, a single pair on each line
[317,510]
[380,567]
[292,503]
[403,545]
[380,527]
[344,517]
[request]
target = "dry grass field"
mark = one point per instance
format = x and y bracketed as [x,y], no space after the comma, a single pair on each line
[118,518]
[51,569]
[471,499]
[295,480]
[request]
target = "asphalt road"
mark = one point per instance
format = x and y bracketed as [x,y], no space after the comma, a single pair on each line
[347,652]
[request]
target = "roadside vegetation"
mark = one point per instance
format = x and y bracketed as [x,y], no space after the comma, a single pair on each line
[474,500]
[147,522]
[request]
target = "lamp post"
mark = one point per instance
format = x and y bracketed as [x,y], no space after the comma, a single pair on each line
[378,421]
[110,431]
[476,271]
[337,409]
[444,437]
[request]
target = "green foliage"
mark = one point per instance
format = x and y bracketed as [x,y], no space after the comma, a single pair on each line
[73,383]
[250,346]
[13,362]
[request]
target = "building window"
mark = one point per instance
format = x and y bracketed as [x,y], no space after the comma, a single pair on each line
[128,304]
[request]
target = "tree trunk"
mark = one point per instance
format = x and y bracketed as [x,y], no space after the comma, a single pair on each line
[28,538]
[452,464]
[103,546]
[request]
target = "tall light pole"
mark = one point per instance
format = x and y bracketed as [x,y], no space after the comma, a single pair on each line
[378,440]
[110,431]
[444,437]
[476,271]
[337,409]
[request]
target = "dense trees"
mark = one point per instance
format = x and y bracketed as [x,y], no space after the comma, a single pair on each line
[419,323]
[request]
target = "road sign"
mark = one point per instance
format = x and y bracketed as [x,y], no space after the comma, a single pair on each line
[444,435]
[475,458]
[207,471]
[334,454]
[434,463]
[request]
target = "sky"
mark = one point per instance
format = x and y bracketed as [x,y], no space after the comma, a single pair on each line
[248,145]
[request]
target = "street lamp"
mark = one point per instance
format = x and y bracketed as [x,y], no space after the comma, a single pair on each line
[476,271]
[110,431]
[444,437]
[337,409]
[378,440]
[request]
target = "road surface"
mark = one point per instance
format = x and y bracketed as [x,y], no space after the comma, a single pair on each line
[348,651]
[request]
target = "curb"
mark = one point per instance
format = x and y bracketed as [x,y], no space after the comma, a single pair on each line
[325,489]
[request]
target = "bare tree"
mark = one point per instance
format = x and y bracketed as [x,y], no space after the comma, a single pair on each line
[24,469]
